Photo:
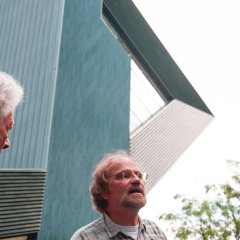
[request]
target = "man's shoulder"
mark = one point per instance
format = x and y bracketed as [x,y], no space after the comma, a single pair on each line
[153,229]
[89,231]
[147,222]
[92,225]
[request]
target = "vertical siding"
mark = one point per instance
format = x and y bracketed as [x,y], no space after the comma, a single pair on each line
[29,45]
[91,116]
[76,107]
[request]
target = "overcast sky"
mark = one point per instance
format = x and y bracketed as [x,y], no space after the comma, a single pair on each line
[203,38]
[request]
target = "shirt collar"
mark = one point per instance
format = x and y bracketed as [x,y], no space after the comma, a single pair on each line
[113,229]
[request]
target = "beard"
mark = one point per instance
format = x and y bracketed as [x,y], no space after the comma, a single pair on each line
[130,201]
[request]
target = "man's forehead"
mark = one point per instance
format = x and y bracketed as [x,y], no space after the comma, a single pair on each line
[122,162]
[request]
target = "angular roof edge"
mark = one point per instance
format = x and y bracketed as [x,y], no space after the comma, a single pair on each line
[150,54]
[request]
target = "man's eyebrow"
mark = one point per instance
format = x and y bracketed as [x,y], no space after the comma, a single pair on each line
[129,170]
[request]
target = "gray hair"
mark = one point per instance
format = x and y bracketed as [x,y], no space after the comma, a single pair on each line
[11,94]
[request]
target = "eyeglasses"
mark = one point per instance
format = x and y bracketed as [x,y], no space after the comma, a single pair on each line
[127,174]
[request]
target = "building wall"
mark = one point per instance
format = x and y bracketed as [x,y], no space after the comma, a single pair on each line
[91,116]
[76,108]
[29,50]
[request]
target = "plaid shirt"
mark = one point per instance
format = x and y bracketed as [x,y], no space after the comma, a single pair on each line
[104,229]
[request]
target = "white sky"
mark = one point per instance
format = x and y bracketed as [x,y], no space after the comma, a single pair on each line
[203,37]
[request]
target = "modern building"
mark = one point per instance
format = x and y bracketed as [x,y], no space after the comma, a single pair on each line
[74,60]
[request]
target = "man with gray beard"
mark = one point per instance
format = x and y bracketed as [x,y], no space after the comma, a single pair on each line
[118,193]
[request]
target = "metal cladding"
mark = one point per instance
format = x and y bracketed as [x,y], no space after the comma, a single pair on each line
[160,141]
[21,201]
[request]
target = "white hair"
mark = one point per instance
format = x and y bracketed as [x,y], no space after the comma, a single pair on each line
[11,94]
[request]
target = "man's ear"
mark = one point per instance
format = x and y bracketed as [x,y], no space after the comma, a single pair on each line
[105,195]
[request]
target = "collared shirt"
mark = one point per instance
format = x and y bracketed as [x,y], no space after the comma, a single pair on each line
[104,229]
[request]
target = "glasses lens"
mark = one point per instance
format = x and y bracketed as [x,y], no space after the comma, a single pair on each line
[126,175]
[139,175]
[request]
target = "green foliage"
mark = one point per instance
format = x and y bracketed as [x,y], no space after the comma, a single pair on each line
[212,218]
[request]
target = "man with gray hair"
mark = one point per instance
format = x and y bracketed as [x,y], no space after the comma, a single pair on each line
[118,193]
[11,94]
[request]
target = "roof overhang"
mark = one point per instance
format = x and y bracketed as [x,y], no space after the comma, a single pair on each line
[161,140]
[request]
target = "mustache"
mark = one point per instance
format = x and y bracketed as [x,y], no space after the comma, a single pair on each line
[136,189]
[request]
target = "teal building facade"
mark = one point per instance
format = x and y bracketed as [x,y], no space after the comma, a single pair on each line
[76,78]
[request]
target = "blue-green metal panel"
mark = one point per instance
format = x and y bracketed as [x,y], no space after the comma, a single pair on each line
[91,116]
[29,45]
[150,54]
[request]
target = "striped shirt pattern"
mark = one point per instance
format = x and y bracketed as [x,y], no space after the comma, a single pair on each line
[104,229]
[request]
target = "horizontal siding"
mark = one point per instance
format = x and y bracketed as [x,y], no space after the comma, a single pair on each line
[21,201]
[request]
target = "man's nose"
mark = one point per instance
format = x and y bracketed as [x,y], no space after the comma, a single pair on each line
[134,175]
[6,144]
[135,179]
